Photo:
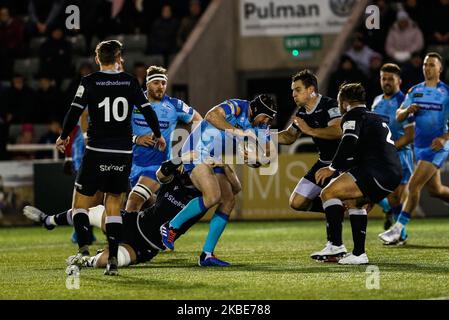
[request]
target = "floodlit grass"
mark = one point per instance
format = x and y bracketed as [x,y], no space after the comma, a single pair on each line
[270,260]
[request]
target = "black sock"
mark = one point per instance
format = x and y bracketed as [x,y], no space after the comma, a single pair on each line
[61,219]
[358,225]
[328,232]
[81,224]
[335,212]
[114,234]
[317,205]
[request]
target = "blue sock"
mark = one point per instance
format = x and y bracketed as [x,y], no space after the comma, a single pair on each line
[216,227]
[192,209]
[384,205]
[396,212]
[404,218]
[404,233]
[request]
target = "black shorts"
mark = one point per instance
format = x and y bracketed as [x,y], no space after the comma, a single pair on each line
[132,237]
[103,171]
[310,175]
[375,184]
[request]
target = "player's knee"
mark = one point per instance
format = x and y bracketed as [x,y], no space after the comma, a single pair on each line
[212,197]
[142,192]
[298,204]
[326,194]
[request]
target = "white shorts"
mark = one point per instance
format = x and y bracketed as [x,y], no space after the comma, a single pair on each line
[307,189]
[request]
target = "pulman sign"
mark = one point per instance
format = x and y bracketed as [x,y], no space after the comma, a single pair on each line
[293,17]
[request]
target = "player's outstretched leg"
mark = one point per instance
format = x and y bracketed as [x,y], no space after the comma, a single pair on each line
[48,221]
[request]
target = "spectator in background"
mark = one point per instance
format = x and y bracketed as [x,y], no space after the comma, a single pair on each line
[50,137]
[376,37]
[44,15]
[403,39]
[419,13]
[56,55]
[412,72]
[439,29]
[162,36]
[49,101]
[360,53]
[188,22]
[373,81]
[26,136]
[19,100]
[140,72]
[84,69]
[347,71]
[5,119]
[11,42]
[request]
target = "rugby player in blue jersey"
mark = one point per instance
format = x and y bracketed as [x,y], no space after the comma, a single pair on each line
[386,105]
[426,104]
[147,158]
[227,122]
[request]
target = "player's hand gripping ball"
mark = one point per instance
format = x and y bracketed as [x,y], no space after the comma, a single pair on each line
[249,152]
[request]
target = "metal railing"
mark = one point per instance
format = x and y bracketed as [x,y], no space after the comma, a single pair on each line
[33,147]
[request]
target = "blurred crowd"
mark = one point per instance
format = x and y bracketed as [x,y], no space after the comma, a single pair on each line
[408,29]
[41,61]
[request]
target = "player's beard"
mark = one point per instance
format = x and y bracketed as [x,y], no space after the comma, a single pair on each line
[156,95]
[388,90]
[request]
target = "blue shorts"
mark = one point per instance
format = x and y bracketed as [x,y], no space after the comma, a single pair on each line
[137,172]
[437,158]
[406,158]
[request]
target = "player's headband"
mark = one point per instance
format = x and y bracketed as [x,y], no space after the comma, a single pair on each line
[157,76]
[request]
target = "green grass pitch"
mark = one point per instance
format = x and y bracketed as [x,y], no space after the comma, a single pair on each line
[270,260]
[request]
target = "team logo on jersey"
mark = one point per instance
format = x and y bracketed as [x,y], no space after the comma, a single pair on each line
[185,108]
[334,112]
[141,122]
[164,124]
[80,91]
[431,106]
[111,167]
[349,125]
[418,95]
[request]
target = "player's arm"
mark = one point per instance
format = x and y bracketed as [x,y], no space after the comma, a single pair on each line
[409,133]
[404,112]
[167,170]
[407,108]
[346,149]
[439,142]
[77,107]
[331,132]
[289,135]
[217,117]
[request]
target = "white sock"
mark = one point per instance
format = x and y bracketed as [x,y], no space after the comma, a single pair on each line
[50,221]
